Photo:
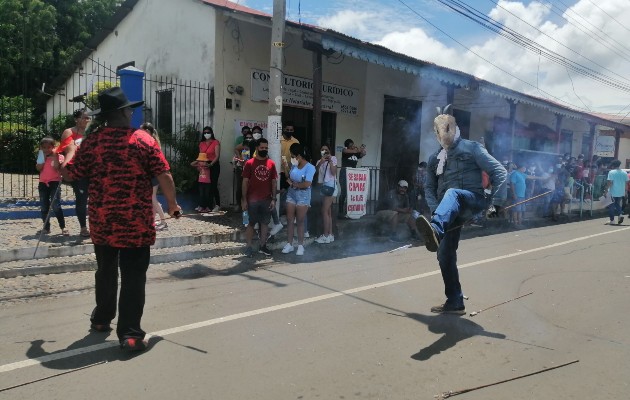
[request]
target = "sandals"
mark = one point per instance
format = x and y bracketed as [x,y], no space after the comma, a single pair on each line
[65,232]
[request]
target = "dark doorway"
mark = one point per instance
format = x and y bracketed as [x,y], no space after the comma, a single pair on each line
[400,148]
[463,122]
[303,120]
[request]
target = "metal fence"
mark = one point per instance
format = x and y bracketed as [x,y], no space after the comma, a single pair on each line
[177,108]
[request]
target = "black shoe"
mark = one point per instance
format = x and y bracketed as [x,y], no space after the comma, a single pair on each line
[447,308]
[134,344]
[619,220]
[264,250]
[100,327]
[430,237]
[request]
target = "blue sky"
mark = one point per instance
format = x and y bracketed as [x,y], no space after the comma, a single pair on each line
[587,32]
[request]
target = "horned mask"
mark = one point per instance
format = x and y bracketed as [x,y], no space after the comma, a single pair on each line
[445,127]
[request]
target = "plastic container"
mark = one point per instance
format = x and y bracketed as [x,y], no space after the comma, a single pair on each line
[245,218]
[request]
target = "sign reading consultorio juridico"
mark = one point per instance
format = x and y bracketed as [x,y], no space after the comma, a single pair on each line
[297,91]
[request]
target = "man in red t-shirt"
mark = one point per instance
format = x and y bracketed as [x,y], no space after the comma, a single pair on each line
[259,194]
[119,162]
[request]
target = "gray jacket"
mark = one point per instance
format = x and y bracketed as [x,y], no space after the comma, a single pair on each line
[464,162]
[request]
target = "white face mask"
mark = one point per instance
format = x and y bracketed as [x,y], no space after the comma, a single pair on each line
[323,153]
[257,136]
[207,135]
[294,161]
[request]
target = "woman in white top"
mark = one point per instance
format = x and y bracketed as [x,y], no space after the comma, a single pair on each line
[327,178]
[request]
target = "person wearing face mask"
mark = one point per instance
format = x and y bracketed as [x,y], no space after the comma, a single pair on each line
[212,148]
[298,197]
[327,178]
[257,134]
[286,141]
[248,147]
[454,193]
[259,194]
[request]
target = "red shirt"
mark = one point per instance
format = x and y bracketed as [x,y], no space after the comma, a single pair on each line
[260,174]
[209,148]
[119,163]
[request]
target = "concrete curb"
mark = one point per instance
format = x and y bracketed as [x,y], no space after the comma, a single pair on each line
[77,249]
[91,264]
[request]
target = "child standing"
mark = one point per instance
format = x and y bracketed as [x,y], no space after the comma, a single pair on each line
[202,163]
[49,181]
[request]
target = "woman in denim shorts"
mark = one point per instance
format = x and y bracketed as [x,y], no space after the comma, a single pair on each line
[298,196]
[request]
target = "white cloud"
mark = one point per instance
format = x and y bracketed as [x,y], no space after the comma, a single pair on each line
[586,22]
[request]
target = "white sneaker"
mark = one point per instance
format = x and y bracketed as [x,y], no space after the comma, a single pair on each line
[300,250]
[288,248]
[256,227]
[323,239]
[331,238]
[275,229]
[306,234]
[216,209]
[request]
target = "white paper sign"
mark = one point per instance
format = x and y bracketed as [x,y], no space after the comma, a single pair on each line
[357,188]
[605,146]
[297,91]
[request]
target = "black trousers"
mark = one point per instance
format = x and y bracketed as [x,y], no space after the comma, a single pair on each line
[133,263]
[49,197]
[215,196]
[80,189]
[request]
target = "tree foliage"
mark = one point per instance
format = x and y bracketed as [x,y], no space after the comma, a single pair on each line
[39,37]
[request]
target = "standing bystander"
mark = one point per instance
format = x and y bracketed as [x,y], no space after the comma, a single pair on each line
[119,162]
[616,187]
[349,159]
[259,194]
[71,140]
[49,182]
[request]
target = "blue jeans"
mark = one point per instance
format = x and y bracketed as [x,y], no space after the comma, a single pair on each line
[454,209]
[614,210]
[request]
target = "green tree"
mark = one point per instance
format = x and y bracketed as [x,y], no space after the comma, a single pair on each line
[27,40]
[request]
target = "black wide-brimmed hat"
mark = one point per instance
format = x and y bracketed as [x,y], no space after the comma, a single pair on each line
[113,99]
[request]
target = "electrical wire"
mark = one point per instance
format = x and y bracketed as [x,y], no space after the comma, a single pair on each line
[610,16]
[552,38]
[505,32]
[559,100]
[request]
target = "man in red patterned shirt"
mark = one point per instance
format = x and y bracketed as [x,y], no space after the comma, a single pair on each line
[119,162]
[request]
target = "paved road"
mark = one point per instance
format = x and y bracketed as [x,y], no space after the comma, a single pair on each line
[352,327]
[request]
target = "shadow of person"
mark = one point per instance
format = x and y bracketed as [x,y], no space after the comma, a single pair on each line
[453,328]
[91,349]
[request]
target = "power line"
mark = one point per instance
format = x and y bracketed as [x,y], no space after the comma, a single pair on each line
[610,16]
[590,32]
[506,32]
[486,60]
[552,38]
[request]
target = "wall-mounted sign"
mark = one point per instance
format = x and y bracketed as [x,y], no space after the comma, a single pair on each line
[297,91]
[605,146]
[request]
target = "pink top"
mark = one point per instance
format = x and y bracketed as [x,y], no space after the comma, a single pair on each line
[204,174]
[324,167]
[48,172]
[210,148]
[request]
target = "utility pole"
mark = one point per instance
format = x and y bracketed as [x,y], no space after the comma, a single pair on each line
[274,126]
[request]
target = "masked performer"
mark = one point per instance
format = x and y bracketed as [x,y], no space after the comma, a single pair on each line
[454,193]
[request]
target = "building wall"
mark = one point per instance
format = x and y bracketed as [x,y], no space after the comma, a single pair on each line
[152,36]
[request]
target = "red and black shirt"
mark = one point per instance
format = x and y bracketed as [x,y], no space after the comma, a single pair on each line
[119,163]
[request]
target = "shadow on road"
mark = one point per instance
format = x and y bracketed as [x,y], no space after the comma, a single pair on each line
[453,328]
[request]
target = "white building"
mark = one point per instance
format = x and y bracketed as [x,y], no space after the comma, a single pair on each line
[207,63]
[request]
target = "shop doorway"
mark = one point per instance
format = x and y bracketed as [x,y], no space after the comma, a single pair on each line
[303,122]
[400,148]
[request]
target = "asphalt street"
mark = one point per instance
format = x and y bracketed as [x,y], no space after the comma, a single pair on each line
[354,326]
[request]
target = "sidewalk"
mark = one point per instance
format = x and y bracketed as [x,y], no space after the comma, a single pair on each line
[192,236]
